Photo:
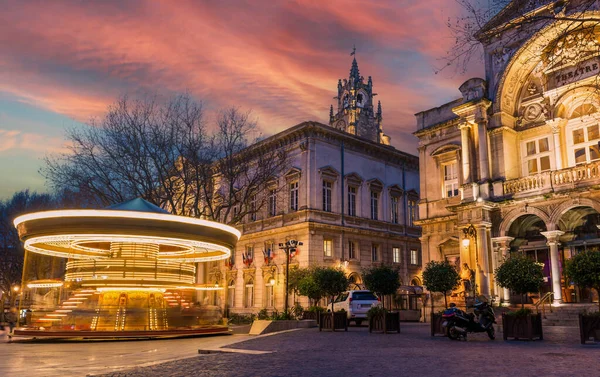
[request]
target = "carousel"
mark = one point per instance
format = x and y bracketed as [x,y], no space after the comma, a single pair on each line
[126,271]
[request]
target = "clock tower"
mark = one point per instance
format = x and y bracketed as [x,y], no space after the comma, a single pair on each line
[355,108]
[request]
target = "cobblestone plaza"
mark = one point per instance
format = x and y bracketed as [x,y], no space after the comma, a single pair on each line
[310,352]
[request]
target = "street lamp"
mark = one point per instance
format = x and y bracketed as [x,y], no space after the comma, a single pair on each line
[288,247]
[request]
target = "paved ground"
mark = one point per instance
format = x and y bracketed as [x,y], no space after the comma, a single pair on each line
[310,353]
[412,353]
[83,358]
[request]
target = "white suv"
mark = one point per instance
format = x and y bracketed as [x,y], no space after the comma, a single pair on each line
[356,304]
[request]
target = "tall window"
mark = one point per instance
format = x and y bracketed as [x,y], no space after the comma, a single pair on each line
[249,294]
[450,180]
[269,295]
[374,252]
[294,196]
[394,209]
[253,208]
[537,156]
[272,202]
[328,248]
[396,254]
[585,144]
[412,211]
[351,250]
[351,201]
[327,196]
[231,294]
[374,205]
[414,257]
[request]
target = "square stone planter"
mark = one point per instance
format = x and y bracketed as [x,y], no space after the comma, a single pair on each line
[385,322]
[527,327]
[436,325]
[333,321]
[589,327]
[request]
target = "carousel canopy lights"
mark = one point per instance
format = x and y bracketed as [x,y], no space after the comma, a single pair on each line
[45,284]
[93,234]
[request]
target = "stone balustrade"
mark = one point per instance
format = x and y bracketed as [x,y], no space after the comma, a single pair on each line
[530,183]
[553,181]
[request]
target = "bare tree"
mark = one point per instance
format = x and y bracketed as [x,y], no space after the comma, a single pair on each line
[11,248]
[164,153]
[515,20]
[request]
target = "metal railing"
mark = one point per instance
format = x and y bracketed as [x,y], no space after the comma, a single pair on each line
[547,298]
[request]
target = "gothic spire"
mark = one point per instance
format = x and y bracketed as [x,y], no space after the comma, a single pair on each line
[354,74]
[379,114]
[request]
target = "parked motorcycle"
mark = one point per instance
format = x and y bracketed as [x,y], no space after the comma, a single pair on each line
[458,323]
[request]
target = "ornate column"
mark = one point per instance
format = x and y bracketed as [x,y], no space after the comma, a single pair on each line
[552,237]
[504,249]
[555,125]
[466,152]
[484,169]
[483,261]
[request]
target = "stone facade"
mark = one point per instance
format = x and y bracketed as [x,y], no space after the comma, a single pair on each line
[347,196]
[517,156]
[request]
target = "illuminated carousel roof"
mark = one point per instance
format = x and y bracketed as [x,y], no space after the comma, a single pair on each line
[88,234]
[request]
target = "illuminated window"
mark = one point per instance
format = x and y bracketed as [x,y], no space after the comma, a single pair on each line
[415,257]
[327,196]
[328,248]
[586,144]
[450,179]
[269,295]
[396,254]
[249,299]
[294,196]
[231,294]
[537,156]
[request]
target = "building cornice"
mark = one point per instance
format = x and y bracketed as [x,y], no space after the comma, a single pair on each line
[311,129]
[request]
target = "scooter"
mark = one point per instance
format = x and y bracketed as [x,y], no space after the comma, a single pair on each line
[458,323]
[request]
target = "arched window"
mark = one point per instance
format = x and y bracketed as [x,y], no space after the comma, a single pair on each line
[249,294]
[270,293]
[584,109]
[231,294]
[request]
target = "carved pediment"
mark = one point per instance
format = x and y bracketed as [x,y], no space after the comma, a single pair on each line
[293,174]
[354,179]
[329,173]
[395,190]
[375,184]
[446,148]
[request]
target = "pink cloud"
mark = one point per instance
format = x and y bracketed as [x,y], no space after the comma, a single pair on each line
[280,59]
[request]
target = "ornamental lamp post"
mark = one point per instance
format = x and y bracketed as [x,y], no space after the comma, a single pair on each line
[289,246]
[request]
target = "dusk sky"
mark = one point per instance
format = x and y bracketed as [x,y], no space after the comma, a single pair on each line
[63,62]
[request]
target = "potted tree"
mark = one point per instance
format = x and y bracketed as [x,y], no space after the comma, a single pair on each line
[439,277]
[332,282]
[522,275]
[383,280]
[584,270]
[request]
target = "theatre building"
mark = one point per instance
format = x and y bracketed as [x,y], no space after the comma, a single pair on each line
[513,164]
